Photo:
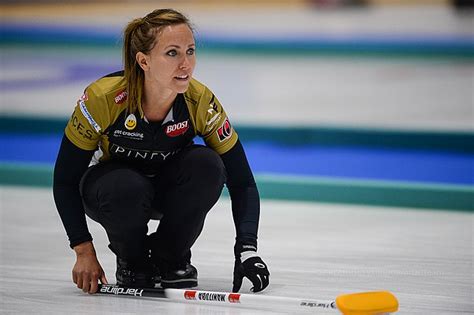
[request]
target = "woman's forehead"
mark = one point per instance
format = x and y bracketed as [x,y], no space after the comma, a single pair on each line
[180,33]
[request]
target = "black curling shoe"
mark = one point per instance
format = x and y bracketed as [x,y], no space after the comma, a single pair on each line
[144,275]
[184,276]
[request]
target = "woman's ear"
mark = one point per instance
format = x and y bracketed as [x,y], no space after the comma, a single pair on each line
[142,61]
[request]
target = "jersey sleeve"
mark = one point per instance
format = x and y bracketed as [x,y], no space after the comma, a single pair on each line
[88,120]
[213,125]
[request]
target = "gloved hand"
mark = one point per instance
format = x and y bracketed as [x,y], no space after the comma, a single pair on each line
[248,264]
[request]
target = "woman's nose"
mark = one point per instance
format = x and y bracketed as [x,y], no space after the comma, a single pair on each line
[185,63]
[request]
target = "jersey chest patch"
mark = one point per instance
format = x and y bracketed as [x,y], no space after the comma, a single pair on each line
[177,129]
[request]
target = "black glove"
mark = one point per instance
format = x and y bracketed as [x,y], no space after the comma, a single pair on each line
[249,264]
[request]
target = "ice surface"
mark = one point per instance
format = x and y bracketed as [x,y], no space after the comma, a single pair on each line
[313,250]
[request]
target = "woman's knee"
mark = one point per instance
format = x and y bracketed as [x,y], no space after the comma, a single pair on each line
[119,191]
[125,186]
[207,165]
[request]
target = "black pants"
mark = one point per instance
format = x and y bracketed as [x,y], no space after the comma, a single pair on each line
[123,200]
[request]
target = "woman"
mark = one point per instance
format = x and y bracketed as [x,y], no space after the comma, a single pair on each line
[136,129]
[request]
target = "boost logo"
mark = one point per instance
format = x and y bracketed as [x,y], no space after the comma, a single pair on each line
[131,122]
[121,97]
[177,129]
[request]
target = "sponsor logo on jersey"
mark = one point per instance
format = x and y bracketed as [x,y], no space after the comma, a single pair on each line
[83,130]
[121,97]
[212,105]
[127,134]
[131,122]
[213,108]
[145,155]
[177,129]
[88,116]
[225,131]
[213,121]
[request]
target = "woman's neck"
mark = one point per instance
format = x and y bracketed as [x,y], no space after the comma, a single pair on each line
[156,103]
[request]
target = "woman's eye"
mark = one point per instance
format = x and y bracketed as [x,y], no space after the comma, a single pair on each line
[172,53]
[190,51]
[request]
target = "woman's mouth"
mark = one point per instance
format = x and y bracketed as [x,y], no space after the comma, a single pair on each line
[183,77]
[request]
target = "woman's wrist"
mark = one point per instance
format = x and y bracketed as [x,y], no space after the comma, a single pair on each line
[85,248]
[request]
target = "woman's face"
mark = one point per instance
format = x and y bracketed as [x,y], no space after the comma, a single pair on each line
[170,64]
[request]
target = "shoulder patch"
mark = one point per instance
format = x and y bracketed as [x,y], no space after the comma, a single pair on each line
[88,116]
[225,131]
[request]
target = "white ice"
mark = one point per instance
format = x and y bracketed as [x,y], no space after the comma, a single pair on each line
[313,250]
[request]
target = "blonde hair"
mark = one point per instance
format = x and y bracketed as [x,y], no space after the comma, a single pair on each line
[140,36]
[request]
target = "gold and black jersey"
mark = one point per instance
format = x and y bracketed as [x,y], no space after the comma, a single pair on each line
[101,122]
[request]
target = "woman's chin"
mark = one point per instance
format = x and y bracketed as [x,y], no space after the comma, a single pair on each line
[182,88]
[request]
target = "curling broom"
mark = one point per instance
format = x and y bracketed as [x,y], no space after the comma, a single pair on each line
[364,303]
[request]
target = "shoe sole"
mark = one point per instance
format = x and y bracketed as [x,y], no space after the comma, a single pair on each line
[179,284]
